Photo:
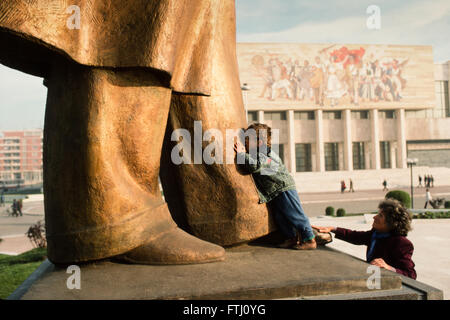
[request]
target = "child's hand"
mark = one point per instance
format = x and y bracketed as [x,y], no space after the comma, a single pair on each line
[238,147]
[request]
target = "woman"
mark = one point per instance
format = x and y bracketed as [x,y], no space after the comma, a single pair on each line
[387,245]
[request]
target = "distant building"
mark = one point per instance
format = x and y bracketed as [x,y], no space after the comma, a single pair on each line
[20,158]
[349,107]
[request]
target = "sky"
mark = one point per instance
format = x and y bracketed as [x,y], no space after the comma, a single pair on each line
[407,22]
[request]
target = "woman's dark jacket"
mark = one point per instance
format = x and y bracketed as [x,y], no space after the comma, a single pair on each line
[395,250]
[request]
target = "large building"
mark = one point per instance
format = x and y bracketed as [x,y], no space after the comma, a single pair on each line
[20,158]
[349,107]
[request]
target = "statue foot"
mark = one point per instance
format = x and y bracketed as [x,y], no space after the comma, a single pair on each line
[174,247]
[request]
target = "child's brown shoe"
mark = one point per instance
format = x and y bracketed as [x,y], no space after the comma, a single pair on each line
[288,243]
[307,245]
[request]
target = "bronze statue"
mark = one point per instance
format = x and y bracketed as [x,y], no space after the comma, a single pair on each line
[117,87]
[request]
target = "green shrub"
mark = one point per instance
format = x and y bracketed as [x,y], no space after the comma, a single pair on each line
[329,211]
[447,205]
[340,212]
[401,196]
[432,215]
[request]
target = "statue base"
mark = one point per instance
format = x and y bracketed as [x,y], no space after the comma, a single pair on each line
[248,272]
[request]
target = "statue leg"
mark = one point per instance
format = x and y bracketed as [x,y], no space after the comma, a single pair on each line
[214,202]
[103,137]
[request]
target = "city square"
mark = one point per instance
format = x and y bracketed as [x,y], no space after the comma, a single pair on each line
[201,154]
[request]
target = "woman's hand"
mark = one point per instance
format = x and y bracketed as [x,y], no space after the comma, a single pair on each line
[379,262]
[324,229]
[239,147]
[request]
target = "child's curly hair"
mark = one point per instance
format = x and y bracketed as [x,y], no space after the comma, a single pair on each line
[263,132]
[397,217]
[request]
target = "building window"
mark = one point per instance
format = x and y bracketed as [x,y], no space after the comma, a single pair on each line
[386,114]
[442,99]
[304,115]
[360,114]
[280,150]
[385,154]
[359,160]
[252,116]
[331,156]
[330,115]
[303,157]
[275,115]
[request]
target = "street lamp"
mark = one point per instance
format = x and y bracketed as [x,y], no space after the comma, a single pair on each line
[245,87]
[411,163]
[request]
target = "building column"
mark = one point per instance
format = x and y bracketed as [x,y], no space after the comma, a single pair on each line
[260,116]
[402,153]
[375,139]
[320,153]
[393,156]
[291,141]
[348,146]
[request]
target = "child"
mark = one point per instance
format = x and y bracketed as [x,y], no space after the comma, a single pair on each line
[276,187]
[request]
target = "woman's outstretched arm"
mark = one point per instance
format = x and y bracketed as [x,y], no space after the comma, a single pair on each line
[354,237]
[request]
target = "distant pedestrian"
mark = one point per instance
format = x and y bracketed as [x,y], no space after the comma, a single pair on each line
[431,181]
[14,208]
[343,186]
[385,188]
[351,186]
[420,181]
[19,206]
[425,181]
[428,198]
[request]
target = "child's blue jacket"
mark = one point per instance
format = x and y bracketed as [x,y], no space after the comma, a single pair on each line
[269,173]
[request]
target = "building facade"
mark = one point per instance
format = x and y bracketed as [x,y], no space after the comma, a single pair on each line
[20,158]
[349,107]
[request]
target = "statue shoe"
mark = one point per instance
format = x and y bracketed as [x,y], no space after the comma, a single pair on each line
[174,247]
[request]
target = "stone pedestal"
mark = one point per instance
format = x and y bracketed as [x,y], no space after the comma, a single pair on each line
[249,272]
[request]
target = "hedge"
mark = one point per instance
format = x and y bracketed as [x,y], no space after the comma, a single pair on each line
[401,196]
[329,211]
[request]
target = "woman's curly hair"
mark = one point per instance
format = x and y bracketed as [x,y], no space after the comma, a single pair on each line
[397,216]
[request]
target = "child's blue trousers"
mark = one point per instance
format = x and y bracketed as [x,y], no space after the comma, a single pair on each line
[289,215]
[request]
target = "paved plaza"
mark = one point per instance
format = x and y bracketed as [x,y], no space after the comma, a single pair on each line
[362,201]
[431,238]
